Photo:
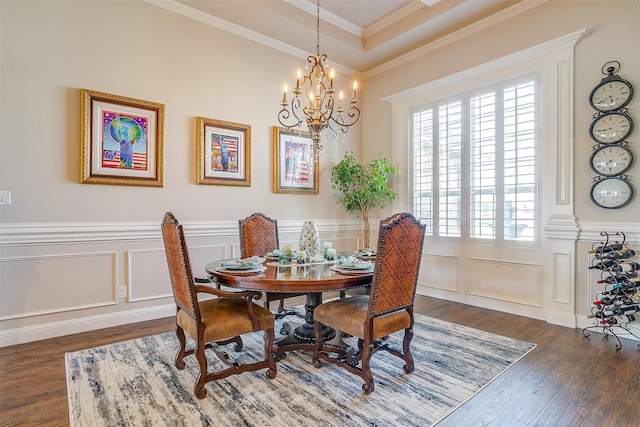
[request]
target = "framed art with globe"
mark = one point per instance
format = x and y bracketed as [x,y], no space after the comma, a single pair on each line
[122,140]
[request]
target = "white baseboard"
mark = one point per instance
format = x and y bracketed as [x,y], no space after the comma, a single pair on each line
[83,324]
[561,319]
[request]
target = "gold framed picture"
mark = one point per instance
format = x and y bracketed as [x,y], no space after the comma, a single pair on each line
[122,140]
[224,152]
[294,168]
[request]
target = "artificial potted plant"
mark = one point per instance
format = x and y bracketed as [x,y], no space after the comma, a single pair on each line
[360,188]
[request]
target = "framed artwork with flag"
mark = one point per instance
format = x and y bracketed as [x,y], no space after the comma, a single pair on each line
[123,140]
[224,152]
[294,169]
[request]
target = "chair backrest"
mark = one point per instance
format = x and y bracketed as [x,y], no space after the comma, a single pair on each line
[400,242]
[258,235]
[179,266]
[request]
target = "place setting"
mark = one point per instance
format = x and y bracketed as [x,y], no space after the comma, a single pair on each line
[250,265]
[352,265]
[365,254]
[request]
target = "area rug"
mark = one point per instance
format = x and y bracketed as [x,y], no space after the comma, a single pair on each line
[135,383]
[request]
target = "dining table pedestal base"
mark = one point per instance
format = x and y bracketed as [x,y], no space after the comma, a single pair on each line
[302,336]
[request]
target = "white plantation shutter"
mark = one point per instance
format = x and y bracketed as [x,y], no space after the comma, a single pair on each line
[475,163]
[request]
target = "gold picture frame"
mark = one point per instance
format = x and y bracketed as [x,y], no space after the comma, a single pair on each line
[294,168]
[122,140]
[224,152]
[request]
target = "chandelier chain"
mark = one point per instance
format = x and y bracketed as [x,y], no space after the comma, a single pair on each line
[318,28]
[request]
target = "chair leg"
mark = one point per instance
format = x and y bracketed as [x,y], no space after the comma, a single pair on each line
[406,349]
[317,330]
[181,352]
[268,353]
[198,389]
[367,376]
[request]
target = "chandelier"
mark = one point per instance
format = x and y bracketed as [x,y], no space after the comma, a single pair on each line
[320,111]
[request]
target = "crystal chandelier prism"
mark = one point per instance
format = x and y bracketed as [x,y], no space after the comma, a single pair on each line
[317,107]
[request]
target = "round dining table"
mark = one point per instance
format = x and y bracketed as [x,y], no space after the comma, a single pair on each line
[312,278]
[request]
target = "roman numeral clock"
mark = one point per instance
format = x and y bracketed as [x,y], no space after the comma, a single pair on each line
[610,128]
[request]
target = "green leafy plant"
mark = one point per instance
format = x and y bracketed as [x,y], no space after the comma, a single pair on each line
[363,188]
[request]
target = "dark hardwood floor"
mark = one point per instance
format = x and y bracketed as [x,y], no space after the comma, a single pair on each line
[567,380]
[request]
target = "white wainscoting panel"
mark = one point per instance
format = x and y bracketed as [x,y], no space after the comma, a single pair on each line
[519,283]
[440,272]
[46,284]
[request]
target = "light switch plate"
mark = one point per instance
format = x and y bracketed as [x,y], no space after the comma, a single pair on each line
[5,197]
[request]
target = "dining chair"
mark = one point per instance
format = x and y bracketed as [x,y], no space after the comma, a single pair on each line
[212,322]
[388,308]
[258,237]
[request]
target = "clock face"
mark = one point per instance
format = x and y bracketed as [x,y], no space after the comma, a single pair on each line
[611,127]
[611,193]
[611,95]
[611,160]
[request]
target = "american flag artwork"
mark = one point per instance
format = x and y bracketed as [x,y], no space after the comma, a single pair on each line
[124,141]
[296,162]
[224,153]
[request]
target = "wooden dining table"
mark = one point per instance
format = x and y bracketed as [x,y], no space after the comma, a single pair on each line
[312,279]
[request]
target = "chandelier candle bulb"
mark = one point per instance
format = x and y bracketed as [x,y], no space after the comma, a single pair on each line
[355,89]
[331,78]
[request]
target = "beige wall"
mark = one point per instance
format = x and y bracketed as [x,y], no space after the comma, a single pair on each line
[52,49]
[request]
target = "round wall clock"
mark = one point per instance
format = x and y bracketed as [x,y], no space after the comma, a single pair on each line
[613,92]
[611,127]
[611,193]
[611,160]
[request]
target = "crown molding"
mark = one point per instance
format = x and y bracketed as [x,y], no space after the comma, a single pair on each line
[240,31]
[455,36]
[327,16]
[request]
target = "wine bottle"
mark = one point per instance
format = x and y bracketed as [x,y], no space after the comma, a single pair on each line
[619,254]
[614,246]
[602,265]
[625,267]
[619,320]
[627,309]
[601,314]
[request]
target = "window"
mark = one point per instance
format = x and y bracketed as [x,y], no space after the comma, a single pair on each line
[475,163]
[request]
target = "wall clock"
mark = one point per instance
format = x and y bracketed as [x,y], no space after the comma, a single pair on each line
[613,92]
[611,193]
[611,127]
[611,160]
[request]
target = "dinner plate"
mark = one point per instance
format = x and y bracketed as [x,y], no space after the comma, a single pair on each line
[252,270]
[342,270]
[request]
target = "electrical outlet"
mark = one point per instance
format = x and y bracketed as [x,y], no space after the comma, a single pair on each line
[5,198]
[122,291]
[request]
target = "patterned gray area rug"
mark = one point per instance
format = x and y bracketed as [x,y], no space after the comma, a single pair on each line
[135,383]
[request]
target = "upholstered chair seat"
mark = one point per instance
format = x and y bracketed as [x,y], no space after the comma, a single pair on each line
[224,318]
[349,315]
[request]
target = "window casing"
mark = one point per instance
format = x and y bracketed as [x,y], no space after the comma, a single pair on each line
[475,164]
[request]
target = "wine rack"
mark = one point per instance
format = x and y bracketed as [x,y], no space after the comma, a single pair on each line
[618,304]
